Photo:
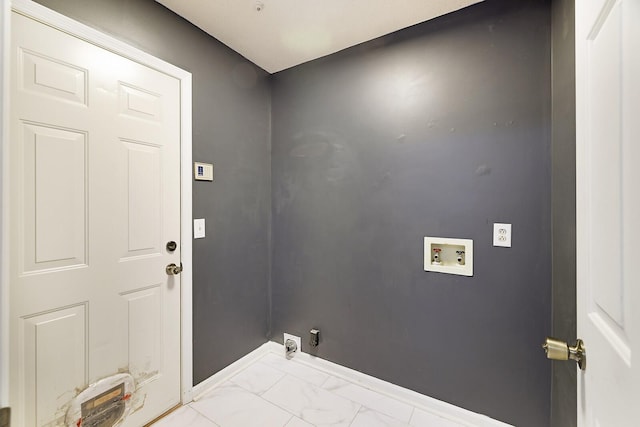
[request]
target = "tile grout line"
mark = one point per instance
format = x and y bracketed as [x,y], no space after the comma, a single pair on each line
[456,419]
[203,415]
[284,375]
[318,386]
[413,411]
[359,404]
[369,405]
[278,406]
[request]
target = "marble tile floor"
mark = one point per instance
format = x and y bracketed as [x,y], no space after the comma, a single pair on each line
[276,392]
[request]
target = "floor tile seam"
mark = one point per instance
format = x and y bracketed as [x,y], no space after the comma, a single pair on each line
[254,394]
[459,422]
[254,362]
[353,420]
[413,411]
[204,415]
[289,420]
[390,395]
[379,396]
[355,416]
[358,405]
[406,421]
[217,385]
[298,376]
[272,367]
[326,381]
[278,406]
[284,375]
[356,382]
[330,374]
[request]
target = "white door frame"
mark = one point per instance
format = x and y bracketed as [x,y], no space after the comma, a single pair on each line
[61,22]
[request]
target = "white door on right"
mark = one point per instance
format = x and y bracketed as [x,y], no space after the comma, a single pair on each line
[608,210]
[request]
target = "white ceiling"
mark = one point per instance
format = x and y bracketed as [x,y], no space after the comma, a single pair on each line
[285,33]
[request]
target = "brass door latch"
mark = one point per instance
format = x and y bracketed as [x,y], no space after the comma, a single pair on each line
[560,350]
[173,269]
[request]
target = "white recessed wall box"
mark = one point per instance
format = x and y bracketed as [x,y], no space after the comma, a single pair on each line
[446,255]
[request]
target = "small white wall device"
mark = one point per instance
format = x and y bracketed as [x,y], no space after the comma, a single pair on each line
[203,171]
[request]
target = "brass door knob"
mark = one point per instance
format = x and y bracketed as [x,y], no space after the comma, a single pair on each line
[173,269]
[560,350]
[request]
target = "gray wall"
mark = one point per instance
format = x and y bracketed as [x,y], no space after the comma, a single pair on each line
[563,207]
[231,119]
[438,130]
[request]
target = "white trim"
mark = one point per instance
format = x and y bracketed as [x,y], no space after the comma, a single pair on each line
[410,397]
[81,31]
[186,234]
[221,376]
[5,13]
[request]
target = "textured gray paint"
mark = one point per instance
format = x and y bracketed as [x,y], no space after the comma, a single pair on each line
[440,130]
[231,119]
[563,207]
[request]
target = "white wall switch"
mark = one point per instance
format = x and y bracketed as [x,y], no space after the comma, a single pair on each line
[198,228]
[203,171]
[502,235]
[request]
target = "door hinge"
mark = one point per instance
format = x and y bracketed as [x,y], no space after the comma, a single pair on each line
[5,417]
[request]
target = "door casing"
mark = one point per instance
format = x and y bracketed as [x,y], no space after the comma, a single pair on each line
[97,38]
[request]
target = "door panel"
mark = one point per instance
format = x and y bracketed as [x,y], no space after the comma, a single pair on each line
[608,208]
[144,197]
[44,75]
[604,118]
[54,189]
[55,351]
[145,333]
[95,155]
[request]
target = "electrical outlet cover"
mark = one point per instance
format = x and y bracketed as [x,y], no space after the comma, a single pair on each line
[295,338]
[502,235]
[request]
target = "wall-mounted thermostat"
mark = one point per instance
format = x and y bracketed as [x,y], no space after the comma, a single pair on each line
[203,171]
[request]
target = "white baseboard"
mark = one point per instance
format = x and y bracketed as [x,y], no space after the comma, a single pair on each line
[438,407]
[221,376]
[410,397]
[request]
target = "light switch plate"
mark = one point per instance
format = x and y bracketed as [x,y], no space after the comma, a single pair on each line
[203,171]
[198,228]
[502,235]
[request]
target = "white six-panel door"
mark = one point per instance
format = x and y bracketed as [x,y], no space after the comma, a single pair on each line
[608,210]
[95,196]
